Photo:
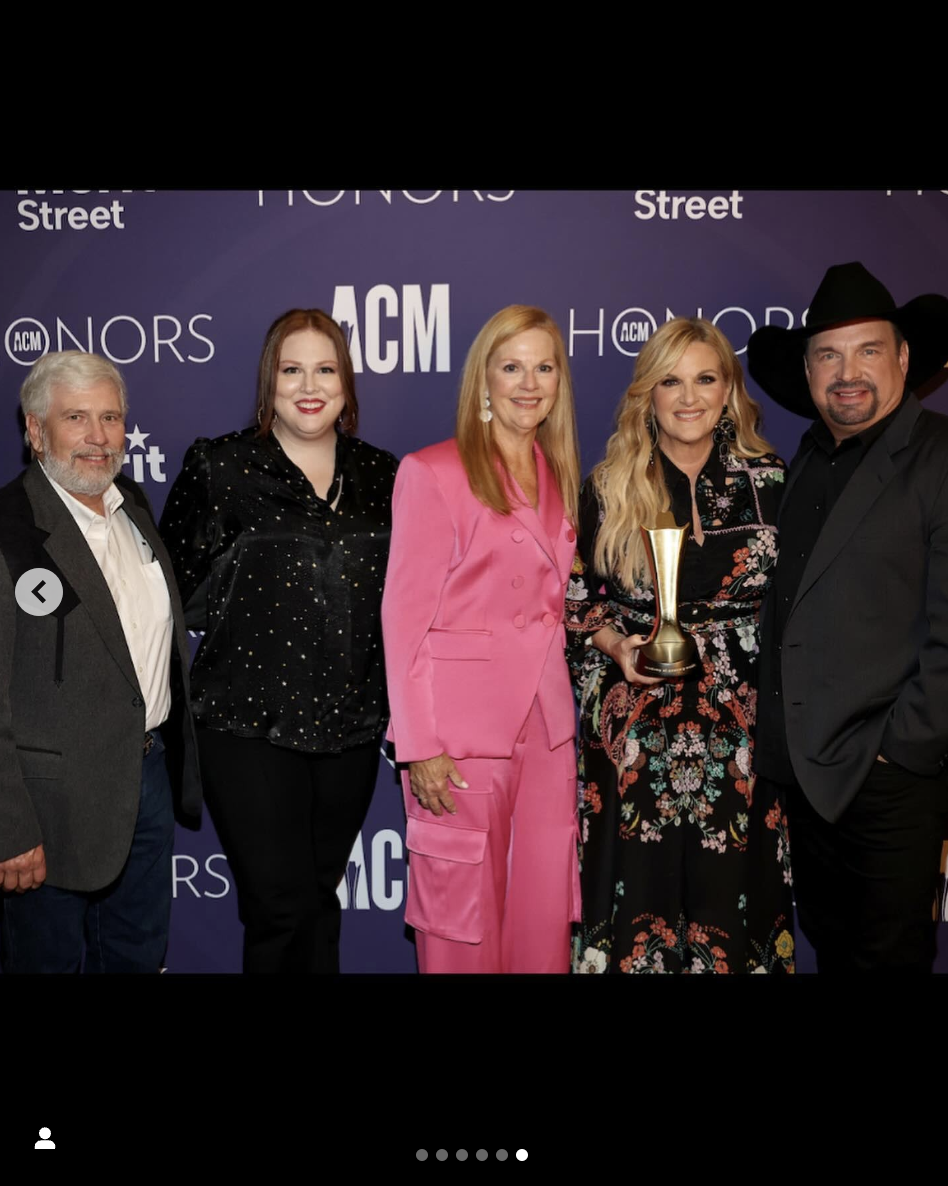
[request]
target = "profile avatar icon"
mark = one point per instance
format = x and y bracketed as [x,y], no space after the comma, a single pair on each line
[44,1142]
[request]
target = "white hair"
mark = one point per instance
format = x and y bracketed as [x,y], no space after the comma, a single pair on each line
[74,369]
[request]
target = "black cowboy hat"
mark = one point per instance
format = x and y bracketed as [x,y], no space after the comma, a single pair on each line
[848,292]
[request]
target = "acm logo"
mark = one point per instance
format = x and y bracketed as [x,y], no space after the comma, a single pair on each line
[419,337]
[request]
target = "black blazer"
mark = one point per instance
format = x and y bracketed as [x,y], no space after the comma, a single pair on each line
[72,715]
[865,648]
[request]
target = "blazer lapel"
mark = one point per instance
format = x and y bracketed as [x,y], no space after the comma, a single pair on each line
[550,507]
[862,491]
[78,565]
[560,532]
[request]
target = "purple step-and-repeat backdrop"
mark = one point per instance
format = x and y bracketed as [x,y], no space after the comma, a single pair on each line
[179,287]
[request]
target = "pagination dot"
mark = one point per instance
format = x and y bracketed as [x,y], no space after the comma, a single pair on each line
[482,1155]
[442,1155]
[521,1155]
[422,1154]
[461,1155]
[501,1154]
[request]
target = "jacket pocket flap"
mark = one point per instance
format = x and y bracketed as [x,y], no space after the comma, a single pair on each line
[459,644]
[39,763]
[444,842]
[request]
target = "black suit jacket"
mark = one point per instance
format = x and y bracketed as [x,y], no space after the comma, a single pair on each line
[865,649]
[72,714]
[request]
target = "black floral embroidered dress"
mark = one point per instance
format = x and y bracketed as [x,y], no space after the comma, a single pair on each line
[683,868]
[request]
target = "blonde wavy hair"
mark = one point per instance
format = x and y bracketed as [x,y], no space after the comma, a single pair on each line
[631,491]
[556,436]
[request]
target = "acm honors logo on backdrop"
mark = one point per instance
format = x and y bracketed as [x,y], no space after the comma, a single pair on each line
[121,338]
[627,331]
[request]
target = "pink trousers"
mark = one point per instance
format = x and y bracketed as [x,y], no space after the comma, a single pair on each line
[495,887]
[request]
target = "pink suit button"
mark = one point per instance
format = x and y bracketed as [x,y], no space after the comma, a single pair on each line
[549,620]
[516,536]
[517,582]
[520,621]
[570,536]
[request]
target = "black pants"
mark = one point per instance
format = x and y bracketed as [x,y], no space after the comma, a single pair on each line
[287,822]
[865,885]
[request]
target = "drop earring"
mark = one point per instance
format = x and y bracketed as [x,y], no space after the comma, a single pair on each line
[486,414]
[724,435]
[653,434]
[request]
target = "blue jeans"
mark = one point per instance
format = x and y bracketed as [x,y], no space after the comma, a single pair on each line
[125,925]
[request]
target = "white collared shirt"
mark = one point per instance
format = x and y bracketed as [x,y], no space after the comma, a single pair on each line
[138,589]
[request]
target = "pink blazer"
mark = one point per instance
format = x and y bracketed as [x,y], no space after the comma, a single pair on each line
[472,613]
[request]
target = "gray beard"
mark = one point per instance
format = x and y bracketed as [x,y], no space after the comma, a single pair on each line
[68,475]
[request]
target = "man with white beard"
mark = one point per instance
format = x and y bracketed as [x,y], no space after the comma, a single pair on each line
[96,737]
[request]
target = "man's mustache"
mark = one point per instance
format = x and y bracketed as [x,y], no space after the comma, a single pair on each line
[98,453]
[839,385]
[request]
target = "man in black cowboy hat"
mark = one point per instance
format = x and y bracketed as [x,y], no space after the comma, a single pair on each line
[853,698]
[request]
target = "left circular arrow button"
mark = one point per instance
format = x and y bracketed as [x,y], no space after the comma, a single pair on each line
[39,592]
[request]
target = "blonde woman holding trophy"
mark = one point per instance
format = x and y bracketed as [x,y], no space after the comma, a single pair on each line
[683,869]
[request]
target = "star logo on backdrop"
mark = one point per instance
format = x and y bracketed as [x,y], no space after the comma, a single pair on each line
[152,457]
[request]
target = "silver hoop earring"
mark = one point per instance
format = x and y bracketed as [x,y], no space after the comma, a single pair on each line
[486,414]
[724,435]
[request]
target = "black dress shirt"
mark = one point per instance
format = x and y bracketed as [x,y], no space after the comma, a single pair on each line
[827,469]
[292,650]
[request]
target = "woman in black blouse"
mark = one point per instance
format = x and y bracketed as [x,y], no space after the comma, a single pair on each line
[279,537]
[684,869]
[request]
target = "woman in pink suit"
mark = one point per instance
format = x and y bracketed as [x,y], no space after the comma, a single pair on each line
[483,539]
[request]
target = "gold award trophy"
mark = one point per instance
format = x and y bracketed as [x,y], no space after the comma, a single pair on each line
[669,652]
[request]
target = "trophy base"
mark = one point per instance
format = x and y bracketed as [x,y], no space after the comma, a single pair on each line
[667,660]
